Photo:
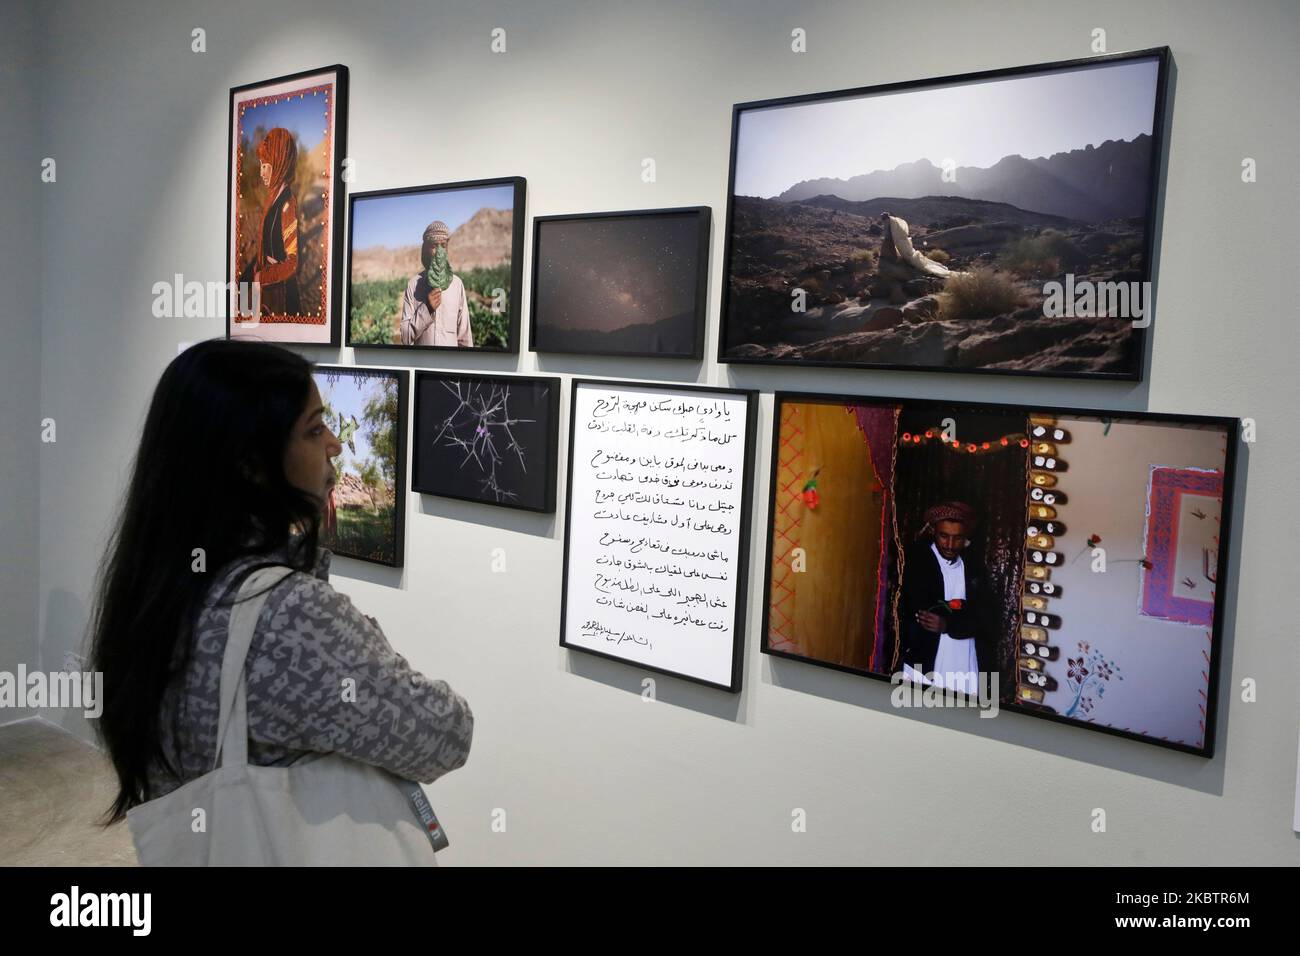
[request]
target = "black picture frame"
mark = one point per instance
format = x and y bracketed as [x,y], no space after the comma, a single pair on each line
[1231,427]
[550,432]
[519,213]
[743,525]
[402,377]
[333,279]
[1138,344]
[704,217]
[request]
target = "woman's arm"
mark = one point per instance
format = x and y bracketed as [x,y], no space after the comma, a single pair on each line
[322,676]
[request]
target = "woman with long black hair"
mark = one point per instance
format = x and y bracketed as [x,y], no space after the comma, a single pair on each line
[231,475]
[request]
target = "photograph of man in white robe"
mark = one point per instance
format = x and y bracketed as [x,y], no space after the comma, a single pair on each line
[435,307]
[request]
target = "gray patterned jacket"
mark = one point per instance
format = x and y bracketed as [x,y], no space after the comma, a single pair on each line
[308,639]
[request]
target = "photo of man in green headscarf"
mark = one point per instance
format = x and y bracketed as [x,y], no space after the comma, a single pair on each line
[435,308]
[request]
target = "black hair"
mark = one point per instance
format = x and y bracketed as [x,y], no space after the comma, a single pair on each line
[209,475]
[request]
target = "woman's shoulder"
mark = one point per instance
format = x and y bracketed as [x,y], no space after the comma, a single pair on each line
[303,625]
[305,596]
[228,581]
[309,628]
[305,606]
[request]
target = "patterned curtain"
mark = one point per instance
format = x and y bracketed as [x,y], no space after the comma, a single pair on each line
[879,427]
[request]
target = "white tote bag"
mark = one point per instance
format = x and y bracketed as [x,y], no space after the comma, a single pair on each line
[324,810]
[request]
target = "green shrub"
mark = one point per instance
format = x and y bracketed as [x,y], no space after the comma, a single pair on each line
[375,307]
[979,294]
[490,328]
[374,311]
[1043,255]
[1125,248]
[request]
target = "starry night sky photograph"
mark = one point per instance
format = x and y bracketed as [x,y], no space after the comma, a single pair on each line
[624,284]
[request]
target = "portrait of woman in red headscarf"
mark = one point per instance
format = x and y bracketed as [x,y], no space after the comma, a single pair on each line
[283,211]
[275,264]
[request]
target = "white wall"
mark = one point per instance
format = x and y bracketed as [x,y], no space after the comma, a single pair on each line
[585,770]
[20,338]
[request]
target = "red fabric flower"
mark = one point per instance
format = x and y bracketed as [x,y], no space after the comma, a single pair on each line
[811,498]
[955,604]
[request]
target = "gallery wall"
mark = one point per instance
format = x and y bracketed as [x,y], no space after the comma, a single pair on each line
[567,749]
[20,326]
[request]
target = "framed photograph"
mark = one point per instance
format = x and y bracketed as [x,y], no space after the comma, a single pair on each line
[487,438]
[1059,563]
[437,267]
[656,532]
[284,207]
[948,224]
[365,408]
[621,283]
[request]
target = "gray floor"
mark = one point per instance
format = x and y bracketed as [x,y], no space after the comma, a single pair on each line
[53,787]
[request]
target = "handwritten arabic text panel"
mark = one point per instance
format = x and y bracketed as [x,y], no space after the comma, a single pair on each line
[658,484]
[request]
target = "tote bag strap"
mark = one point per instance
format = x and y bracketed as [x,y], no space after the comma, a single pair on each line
[232,724]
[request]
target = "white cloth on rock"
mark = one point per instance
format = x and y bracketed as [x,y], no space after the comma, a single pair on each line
[908,253]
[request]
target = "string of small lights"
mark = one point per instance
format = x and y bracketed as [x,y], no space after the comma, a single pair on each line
[911,440]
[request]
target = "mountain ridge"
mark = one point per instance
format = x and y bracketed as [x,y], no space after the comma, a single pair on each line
[1090,184]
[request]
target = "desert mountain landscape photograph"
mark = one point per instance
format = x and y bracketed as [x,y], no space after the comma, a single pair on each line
[929,227]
